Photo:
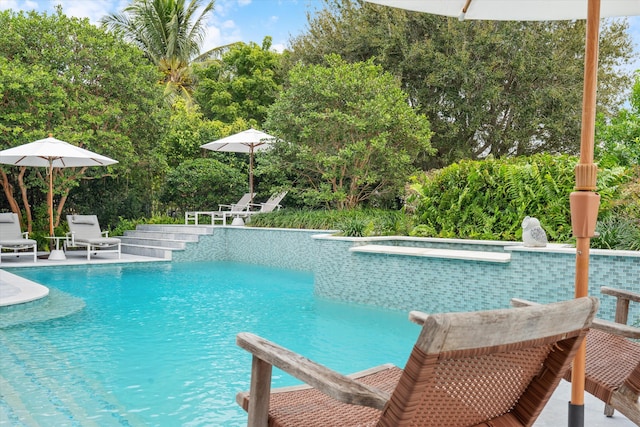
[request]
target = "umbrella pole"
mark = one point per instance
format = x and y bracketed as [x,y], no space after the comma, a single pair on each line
[251,172]
[584,201]
[50,201]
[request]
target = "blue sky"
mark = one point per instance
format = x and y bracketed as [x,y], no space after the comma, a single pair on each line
[232,20]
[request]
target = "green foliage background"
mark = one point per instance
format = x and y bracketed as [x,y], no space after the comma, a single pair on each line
[489,199]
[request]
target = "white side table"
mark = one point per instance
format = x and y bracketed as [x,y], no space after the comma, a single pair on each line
[56,254]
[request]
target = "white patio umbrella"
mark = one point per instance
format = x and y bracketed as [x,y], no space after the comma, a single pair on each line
[52,153]
[584,202]
[248,141]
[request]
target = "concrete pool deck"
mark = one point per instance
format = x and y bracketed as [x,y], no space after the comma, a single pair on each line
[554,414]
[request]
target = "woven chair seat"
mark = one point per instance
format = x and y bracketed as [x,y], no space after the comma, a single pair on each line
[310,408]
[612,360]
[482,369]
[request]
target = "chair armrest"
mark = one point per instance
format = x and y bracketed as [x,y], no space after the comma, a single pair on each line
[623,298]
[70,237]
[616,328]
[620,293]
[601,324]
[224,206]
[331,383]
[105,233]
[25,235]
[418,317]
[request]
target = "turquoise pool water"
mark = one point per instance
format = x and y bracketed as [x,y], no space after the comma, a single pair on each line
[154,344]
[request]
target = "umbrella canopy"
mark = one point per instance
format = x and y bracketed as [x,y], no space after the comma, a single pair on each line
[247,141]
[52,153]
[515,10]
[584,202]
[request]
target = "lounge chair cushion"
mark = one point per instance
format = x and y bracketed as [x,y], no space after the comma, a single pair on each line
[104,241]
[17,242]
[7,218]
[83,219]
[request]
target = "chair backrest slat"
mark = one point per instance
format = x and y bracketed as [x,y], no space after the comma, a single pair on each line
[242,204]
[468,368]
[273,202]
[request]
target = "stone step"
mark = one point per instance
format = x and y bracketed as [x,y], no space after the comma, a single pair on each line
[156,242]
[148,251]
[176,228]
[185,237]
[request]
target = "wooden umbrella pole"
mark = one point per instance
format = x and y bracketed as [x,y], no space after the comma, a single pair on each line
[584,201]
[251,172]
[50,198]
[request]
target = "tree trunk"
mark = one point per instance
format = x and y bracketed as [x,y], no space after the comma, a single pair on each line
[8,191]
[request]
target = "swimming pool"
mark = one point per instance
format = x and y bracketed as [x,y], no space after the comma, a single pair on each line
[154,344]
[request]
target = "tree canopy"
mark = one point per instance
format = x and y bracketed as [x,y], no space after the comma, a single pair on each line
[487,87]
[243,83]
[169,32]
[67,77]
[352,138]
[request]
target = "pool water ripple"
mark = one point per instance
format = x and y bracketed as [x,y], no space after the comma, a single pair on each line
[155,344]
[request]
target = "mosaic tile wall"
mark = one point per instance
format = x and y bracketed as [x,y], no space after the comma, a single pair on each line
[283,248]
[420,283]
[437,285]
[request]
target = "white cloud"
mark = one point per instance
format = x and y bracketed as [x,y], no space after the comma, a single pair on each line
[18,5]
[8,4]
[94,10]
[279,47]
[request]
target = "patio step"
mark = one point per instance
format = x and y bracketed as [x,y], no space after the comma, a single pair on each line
[148,251]
[154,241]
[176,228]
[152,234]
[160,240]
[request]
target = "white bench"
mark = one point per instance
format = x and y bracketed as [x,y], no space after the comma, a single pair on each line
[498,257]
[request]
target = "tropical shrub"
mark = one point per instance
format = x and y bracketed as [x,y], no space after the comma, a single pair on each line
[488,199]
[349,222]
[203,184]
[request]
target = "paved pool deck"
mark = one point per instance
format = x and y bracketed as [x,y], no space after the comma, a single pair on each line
[554,414]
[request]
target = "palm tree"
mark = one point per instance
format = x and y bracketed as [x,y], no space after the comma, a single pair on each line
[169,33]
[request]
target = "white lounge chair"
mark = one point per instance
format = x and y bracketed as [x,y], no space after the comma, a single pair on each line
[270,205]
[12,240]
[84,231]
[221,214]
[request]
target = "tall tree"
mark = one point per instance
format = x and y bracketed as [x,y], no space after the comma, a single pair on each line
[65,76]
[352,138]
[169,32]
[243,83]
[488,88]
[619,138]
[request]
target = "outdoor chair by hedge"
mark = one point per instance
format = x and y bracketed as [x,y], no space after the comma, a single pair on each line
[270,205]
[273,203]
[13,242]
[612,371]
[84,231]
[221,214]
[492,368]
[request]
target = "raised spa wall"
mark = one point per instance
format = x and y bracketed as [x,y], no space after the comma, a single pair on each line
[418,281]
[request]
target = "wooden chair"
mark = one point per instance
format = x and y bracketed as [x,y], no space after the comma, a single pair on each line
[612,371]
[495,368]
